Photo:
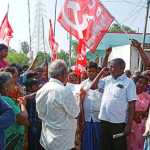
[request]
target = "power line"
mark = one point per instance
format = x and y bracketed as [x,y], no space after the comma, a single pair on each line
[133,12]
[132,15]
[133,19]
[126,2]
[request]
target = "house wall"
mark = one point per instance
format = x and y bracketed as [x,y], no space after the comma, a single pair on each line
[128,54]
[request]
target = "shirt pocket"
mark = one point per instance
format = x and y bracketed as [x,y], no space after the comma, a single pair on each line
[117,92]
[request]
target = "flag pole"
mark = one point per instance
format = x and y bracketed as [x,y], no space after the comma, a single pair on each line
[30,38]
[145,30]
[46,60]
[55,16]
[7,8]
[70,44]
[7,16]
[44,38]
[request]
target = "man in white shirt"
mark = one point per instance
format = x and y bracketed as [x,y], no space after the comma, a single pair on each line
[57,109]
[117,106]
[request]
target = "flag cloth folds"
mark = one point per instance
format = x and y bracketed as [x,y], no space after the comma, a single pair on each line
[6,31]
[53,44]
[81,58]
[88,20]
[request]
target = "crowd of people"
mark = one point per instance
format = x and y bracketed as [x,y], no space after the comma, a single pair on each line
[105,108]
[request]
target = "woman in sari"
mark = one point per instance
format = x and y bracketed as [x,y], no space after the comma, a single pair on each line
[7,118]
[18,90]
[14,135]
[136,139]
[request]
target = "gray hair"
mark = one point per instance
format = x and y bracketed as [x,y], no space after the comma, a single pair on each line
[57,68]
[119,62]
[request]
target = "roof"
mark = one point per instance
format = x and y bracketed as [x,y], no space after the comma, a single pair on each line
[114,39]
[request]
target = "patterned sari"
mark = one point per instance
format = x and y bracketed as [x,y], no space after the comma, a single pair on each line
[14,135]
[136,139]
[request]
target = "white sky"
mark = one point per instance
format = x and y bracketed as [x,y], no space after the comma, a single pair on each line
[128,12]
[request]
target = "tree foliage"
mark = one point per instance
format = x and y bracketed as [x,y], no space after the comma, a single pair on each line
[117,28]
[65,56]
[18,58]
[42,57]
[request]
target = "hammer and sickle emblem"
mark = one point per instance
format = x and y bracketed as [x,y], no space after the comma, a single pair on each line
[80,27]
[91,4]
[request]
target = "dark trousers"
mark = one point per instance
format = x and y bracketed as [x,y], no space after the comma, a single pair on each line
[110,129]
[34,138]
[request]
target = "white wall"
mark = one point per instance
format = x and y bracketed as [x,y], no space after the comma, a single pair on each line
[134,59]
[128,54]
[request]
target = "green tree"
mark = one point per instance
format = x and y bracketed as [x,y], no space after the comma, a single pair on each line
[41,58]
[65,56]
[117,28]
[18,58]
[25,47]
[74,45]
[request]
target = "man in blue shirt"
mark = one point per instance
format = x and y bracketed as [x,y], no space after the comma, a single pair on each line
[7,117]
[117,106]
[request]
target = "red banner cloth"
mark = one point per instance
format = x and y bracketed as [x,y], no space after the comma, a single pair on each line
[6,31]
[81,58]
[86,19]
[53,44]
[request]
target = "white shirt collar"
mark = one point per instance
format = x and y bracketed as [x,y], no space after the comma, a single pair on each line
[56,81]
[122,77]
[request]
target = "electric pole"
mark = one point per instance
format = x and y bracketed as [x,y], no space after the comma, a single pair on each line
[55,17]
[146,21]
[145,29]
[30,39]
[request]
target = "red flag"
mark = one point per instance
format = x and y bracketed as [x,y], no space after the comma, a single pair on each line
[6,30]
[81,53]
[52,43]
[88,20]
[54,52]
[81,58]
[78,69]
[51,36]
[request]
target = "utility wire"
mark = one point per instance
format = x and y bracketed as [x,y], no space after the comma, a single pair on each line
[132,14]
[133,11]
[124,21]
[123,1]
[133,19]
